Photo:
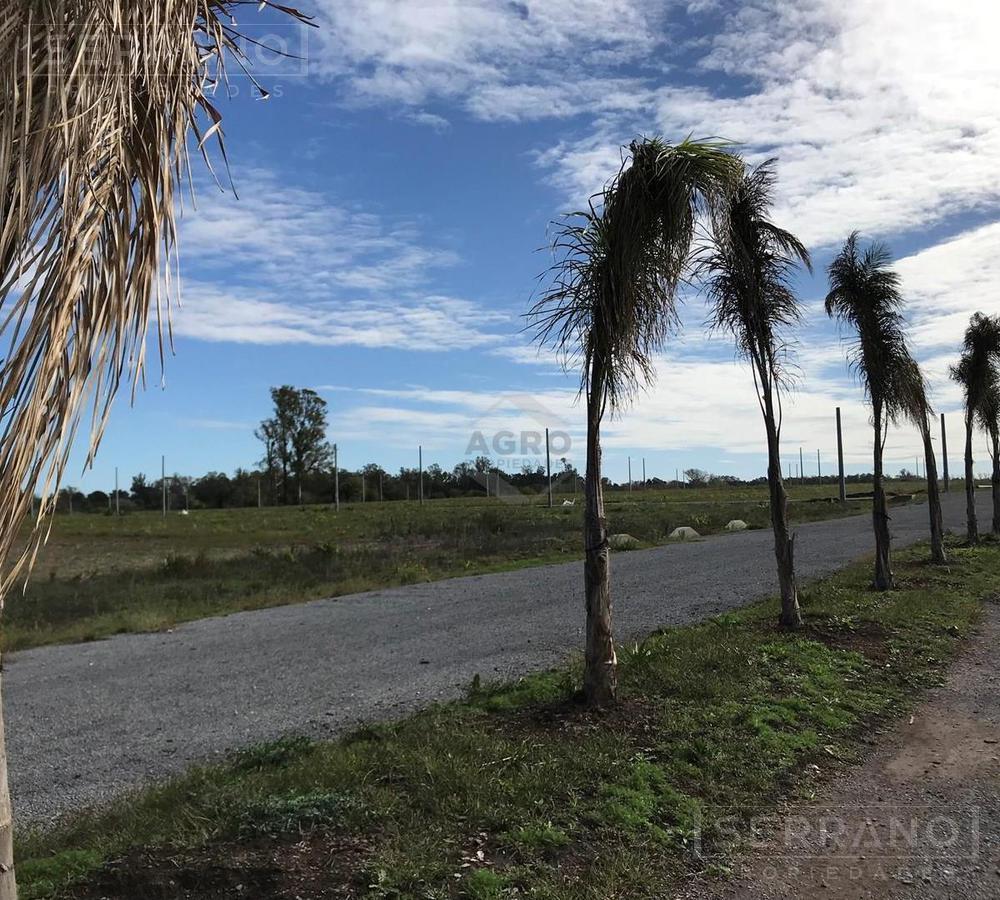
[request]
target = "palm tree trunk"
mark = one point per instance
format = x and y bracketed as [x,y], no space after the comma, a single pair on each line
[995,481]
[933,498]
[784,543]
[8,884]
[600,663]
[972,523]
[880,515]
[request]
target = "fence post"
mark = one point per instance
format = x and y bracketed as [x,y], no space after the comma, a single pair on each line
[118,511]
[630,474]
[548,466]
[840,459]
[336,480]
[163,483]
[944,455]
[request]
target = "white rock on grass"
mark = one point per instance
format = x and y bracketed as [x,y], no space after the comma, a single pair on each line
[684,533]
[736,525]
[623,542]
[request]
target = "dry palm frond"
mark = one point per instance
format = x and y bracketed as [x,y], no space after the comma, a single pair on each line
[97,102]
[618,265]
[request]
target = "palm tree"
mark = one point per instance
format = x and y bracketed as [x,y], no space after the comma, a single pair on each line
[747,270]
[916,406]
[964,373]
[610,306]
[864,295]
[93,145]
[989,420]
[975,372]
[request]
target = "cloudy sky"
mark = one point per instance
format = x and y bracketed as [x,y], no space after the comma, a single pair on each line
[395,194]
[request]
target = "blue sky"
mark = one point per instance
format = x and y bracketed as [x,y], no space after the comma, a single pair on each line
[394,192]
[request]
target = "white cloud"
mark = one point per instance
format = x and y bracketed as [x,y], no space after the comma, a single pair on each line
[446,421]
[431,120]
[277,233]
[499,58]
[885,116]
[524,101]
[528,355]
[946,283]
[694,406]
[428,323]
[280,264]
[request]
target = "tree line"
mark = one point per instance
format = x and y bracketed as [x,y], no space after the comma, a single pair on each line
[697,212]
[373,483]
[297,467]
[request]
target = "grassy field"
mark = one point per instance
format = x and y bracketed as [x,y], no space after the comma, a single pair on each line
[518,791]
[101,575]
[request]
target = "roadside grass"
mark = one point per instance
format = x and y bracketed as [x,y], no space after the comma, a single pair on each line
[184,588]
[92,543]
[517,790]
[100,575]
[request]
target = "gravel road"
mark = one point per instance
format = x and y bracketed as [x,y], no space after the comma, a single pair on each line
[87,721]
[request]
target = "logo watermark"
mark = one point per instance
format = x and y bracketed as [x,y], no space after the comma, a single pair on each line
[869,842]
[513,445]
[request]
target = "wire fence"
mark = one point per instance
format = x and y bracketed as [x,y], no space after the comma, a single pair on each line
[506,476]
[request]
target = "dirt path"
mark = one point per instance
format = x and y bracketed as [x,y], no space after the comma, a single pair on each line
[920,818]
